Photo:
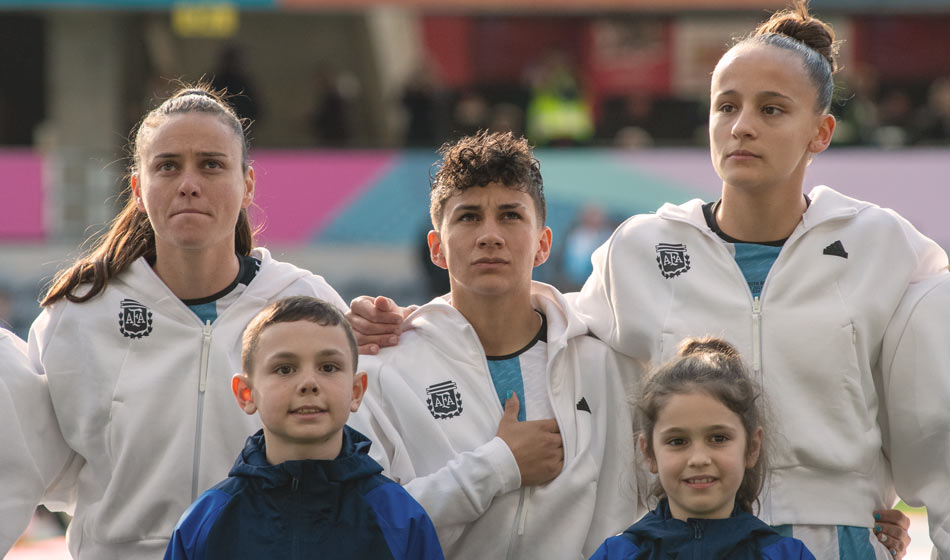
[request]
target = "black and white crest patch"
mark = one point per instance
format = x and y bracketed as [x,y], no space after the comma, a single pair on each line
[672,259]
[135,320]
[444,400]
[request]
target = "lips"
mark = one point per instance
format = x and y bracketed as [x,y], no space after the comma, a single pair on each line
[307,410]
[700,482]
[489,261]
[742,154]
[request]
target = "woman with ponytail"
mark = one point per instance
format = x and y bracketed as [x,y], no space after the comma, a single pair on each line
[804,285]
[140,337]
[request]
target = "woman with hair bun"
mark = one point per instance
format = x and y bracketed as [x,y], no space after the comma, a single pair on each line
[804,285]
[140,337]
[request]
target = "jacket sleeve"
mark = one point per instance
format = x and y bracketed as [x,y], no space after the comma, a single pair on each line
[34,452]
[616,548]
[595,302]
[619,499]
[190,536]
[405,525]
[915,417]
[61,464]
[931,258]
[454,495]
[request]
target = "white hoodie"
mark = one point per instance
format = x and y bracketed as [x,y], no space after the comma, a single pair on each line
[142,392]
[915,412]
[464,475]
[33,449]
[812,339]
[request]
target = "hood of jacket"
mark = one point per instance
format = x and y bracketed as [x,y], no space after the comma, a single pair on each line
[659,535]
[826,204]
[563,323]
[352,463]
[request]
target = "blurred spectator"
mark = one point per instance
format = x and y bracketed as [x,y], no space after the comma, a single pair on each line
[422,101]
[895,114]
[558,115]
[507,117]
[629,121]
[330,122]
[932,125]
[470,114]
[590,231]
[231,76]
[858,119]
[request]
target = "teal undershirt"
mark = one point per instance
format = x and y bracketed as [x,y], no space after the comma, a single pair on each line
[755,261]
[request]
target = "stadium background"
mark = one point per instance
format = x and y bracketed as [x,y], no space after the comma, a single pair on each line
[351,98]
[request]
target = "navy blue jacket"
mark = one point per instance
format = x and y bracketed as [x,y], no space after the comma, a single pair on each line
[342,508]
[742,536]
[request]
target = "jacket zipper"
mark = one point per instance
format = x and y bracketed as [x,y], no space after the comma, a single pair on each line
[202,382]
[518,528]
[756,337]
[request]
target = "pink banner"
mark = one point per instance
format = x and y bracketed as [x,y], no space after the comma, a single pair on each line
[21,190]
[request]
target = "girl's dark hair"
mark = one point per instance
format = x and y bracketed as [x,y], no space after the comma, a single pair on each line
[130,233]
[813,40]
[483,158]
[711,366]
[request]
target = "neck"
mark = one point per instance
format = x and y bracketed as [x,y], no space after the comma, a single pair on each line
[504,325]
[195,274]
[279,451]
[768,215]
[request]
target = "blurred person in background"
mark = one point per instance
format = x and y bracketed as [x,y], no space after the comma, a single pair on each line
[786,278]
[231,76]
[139,338]
[932,126]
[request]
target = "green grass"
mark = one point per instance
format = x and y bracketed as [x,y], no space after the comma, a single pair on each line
[907,509]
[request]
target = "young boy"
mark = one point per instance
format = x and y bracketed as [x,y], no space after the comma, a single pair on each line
[497,411]
[304,486]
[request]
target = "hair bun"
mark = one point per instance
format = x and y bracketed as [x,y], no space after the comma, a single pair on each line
[795,22]
[707,345]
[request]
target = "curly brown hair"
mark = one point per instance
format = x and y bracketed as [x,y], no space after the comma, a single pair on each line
[484,158]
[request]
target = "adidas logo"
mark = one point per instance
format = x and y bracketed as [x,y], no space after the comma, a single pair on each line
[836,249]
[582,405]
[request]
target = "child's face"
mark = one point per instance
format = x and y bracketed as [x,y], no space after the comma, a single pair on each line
[700,454]
[490,240]
[304,388]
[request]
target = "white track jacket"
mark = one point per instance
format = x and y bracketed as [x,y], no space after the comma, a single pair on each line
[813,339]
[432,412]
[142,392]
[916,407]
[32,449]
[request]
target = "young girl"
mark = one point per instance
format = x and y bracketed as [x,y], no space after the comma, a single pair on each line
[139,338]
[702,434]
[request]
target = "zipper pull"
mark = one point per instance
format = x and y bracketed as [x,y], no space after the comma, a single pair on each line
[295,483]
[205,350]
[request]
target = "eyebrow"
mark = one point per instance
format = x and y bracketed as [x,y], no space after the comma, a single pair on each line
[759,95]
[713,428]
[168,155]
[478,207]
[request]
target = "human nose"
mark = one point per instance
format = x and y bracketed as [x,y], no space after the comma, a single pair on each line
[489,236]
[699,457]
[189,187]
[743,125]
[308,384]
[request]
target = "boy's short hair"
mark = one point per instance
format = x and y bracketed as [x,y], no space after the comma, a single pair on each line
[288,310]
[483,158]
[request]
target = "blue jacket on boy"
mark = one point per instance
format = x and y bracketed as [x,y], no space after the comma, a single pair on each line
[305,509]
[742,536]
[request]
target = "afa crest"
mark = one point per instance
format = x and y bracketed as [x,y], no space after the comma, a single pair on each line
[135,320]
[672,259]
[444,400]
